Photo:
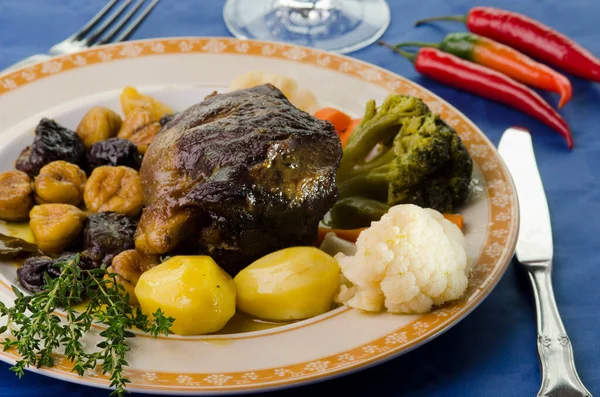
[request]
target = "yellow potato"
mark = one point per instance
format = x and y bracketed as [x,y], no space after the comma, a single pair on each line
[290,284]
[192,289]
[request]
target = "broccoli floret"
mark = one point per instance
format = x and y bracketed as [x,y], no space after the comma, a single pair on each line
[432,167]
[416,158]
[379,126]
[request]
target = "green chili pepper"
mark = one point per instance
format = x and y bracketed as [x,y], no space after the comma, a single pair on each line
[354,212]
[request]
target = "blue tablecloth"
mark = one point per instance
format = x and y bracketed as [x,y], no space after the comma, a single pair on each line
[493,351]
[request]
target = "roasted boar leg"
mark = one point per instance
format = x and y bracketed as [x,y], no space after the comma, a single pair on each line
[237,176]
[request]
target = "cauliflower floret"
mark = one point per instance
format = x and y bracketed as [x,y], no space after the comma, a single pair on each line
[299,97]
[410,260]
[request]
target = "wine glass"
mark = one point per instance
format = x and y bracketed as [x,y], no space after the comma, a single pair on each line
[334,25]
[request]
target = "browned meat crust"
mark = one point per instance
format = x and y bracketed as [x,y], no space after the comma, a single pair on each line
[237,176]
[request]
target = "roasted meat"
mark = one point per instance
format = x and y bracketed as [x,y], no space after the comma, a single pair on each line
[237,176]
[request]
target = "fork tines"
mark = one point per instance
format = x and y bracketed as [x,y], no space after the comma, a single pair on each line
[115,26]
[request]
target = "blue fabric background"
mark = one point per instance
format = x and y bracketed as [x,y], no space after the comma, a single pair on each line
[492,352]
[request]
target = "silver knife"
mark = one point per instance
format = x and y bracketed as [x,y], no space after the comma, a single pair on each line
[534,252]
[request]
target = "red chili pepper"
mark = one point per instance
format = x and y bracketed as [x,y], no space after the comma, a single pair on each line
[503,59]
[531,37]
[485,82]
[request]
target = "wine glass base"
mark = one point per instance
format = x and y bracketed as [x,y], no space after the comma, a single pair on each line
[340,26]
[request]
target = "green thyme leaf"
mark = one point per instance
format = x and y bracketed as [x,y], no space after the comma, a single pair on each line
[37,332]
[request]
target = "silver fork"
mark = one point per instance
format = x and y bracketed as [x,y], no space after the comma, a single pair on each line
[99,30]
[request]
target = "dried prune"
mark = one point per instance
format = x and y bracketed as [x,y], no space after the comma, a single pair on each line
[114,152]
[31,274]
[107,234]
[52,142]
[84,262]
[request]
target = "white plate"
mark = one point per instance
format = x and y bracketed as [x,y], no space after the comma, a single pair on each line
[180,72]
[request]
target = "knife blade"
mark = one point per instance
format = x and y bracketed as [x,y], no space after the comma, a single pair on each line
[535,230]
[534,250]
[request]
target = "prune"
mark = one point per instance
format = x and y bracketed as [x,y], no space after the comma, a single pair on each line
[85,263]
[114,152]
[31,274]
[52,142]
[107,234]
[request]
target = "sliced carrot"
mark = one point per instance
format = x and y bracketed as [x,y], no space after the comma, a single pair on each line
[457,219]
[352,234]
[346,234]
[339,119]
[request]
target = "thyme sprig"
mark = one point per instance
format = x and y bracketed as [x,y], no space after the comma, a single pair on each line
[36,332]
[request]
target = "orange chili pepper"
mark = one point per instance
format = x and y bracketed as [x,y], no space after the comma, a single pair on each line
[503,59]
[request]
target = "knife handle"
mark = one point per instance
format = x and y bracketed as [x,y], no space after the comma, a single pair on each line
[559,376]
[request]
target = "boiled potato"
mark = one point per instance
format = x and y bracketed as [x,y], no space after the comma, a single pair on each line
[290,284]
[192,289]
